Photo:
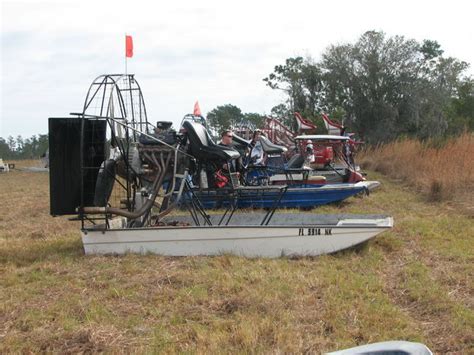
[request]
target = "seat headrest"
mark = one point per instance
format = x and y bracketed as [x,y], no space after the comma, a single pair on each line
[197,133]
[271,148]
[238,140]
[295,162]
[203,147]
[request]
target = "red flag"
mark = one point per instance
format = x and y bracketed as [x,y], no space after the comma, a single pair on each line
[128,46]
[197,110]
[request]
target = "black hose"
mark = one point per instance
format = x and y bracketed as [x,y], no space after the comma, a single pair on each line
[145,207]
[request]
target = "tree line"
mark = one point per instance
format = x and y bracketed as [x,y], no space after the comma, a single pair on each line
[20,148]
[380,87]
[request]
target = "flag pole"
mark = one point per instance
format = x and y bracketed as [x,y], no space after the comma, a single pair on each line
[125,54]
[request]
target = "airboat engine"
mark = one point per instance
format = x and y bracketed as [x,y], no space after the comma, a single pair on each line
[110,161]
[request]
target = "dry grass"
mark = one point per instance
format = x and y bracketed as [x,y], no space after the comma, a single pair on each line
[412,283]
[442,173]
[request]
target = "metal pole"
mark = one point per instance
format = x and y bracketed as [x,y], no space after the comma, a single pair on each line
[125,54]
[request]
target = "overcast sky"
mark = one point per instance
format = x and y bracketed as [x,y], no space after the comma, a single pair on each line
[216,52]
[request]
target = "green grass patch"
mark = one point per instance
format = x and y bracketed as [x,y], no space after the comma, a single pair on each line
[427,294]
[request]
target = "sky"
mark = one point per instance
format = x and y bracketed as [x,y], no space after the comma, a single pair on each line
[216,52]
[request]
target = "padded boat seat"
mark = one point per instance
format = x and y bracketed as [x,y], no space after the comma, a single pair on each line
[295,162]
[237,140]
[202,146]
[271,148]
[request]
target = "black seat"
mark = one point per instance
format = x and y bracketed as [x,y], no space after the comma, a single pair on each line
[202,147]
[295,162]
[271,148]
[240,142]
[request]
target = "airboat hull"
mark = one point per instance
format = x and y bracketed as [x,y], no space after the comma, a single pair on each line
[304,196]
[245,240]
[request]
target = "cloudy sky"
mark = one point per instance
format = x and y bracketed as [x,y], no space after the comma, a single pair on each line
[216,52]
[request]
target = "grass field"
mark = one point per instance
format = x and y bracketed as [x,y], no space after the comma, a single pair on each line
[414,283]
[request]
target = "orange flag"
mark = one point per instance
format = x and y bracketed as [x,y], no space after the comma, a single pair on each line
[197,110]
[128,46]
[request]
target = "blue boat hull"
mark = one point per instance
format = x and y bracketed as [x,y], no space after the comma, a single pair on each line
[294,197]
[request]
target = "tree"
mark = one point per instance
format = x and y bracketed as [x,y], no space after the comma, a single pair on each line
[302,80]
[4,149]
[372,81]
[384,86]
[461,109]
[280,110]
[289,78]
[43,144]
[431,49]
[11,144]
[19,143]
[224,117]
[284,114]
[254,119]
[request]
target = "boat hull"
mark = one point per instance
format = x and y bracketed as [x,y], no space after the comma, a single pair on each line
[270,241]
[295,197]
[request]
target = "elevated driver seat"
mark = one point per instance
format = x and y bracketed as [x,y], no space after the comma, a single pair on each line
[271,148]
[202,147]
[295,162]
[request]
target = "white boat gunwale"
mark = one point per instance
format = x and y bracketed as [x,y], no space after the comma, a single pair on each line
[388,220]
